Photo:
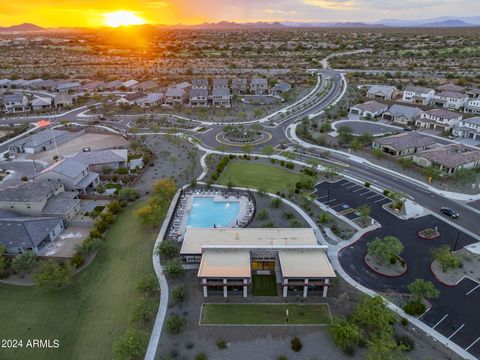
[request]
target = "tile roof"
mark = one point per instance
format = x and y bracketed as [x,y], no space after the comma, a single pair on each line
[29,191]
[406,140]
[451,156]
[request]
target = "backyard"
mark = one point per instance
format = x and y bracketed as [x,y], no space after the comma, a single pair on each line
[93,311]
[265,314]
[258,176]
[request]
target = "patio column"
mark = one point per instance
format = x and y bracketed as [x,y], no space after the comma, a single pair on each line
[204,287]
[225,289]
[325,288]
[285,287]
[245,287]
[305,288]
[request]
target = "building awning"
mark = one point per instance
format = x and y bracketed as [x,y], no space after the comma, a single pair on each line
[305,264]
[225,264]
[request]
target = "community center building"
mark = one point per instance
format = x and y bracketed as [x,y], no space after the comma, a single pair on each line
[230,257]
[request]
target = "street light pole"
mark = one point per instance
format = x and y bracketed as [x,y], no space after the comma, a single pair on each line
[456,242]
[328,198]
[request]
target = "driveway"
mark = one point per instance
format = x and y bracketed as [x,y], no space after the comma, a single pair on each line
[454,314]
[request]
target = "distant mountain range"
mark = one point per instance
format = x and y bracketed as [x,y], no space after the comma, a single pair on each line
[445,21]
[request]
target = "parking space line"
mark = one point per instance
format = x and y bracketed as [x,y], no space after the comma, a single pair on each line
[367,192]
[352,186]
[460,328]
[466,349]
[354,191]
[438,323]
[330,201]
[475,288]
[346,183]
[424,313]
[379,200]
[339,204]
[371,197]
[318,198]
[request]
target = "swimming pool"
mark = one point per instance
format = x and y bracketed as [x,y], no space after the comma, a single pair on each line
[207,213]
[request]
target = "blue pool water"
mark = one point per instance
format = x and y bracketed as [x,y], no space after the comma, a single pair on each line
[206,213]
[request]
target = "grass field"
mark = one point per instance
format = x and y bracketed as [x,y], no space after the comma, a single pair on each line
[264,285]
[93,311]
[258,176]
[264,314]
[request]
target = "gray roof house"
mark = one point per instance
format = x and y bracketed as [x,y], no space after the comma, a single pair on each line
[450,87]
[146,85]
[402,114]
[439,119]
[258,86]
[36,198]
[468,128]
[23,233]
[70,86]
[449,158]
[41,141]
[403,144]
[418,95]
[113,85]
[151,99]
[62,100]
[200,84]
[450,99]
[198,97]
[220,83]
[279,88]
[73,174]
[221,97]
[96,160]
[41,103]
[93,86]
[15,102]
[369,109]
[384,92]
[175,96]
[239,86]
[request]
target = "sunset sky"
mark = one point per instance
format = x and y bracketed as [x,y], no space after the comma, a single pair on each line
[91,13]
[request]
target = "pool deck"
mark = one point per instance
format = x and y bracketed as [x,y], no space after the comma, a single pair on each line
[186,203]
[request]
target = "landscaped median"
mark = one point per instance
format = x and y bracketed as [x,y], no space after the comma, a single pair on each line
[265,314]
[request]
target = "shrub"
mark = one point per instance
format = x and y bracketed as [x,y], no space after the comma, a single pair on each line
[144,310]
[24,178]
[282,357]
[148,285]
[367,184]
[414,308]
[174,269]
[406,341]
[167,248]
[24,262]
[78,260]
[275,203]
[221,344]
[179,294]
[175,324]
[201,356]
[122,171]
[131,345]
[404,321]
[296,344]
[386,192]
[262,214]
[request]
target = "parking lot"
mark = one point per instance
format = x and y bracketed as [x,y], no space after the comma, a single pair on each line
[455,313]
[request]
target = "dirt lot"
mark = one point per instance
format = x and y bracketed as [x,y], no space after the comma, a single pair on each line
[93,141]
[64,246]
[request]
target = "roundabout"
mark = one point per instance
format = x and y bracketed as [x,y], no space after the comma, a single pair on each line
[260,137]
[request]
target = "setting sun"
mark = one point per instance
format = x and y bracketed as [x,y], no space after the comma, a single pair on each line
[123,18]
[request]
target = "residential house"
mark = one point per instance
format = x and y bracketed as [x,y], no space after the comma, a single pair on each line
[220,83]
[99,159]
[129,84]
[5,83]
[450,87]
[150,100]
[130,99]
[144,86]
[404,144]
[438,119]
[175,96]
[200,84]
[93,86]
[449,158]
[63,100]
[450,100]
[369,109]
[221,97]
[384,92]
[280,88]
[468,129]
[16,102]
[239,86]
[19,234]
[41,103]
[69,87]
[73,174]
[402,114]
[198,97]
[42,141]
[37,198]
[48,85]
[258,86]
[185,86]
[473,106]
[113,85]
[473,93]
[229,257]
[418,95]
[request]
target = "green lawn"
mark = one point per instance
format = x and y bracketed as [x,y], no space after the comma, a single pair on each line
[264,314]
[258,176]
[88,315]
[264,285]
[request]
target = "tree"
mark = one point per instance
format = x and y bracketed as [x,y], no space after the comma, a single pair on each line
[151,214]
[24,262]
[175,324]
[268,150]
[179,294]
[446,259]
[372,316]
[355,144]
[364,212]
[464,176]
[127,194]
[148,285]
[385,348]
[378,153]
[405,162]
[384,249]
[52,274]
[167,248]
[290,155]
[330,172]
[131,345]
[345,134]
[276,202]
[174,268]
[345,334]
[421,289]
[3,261]
[247,149]
[324,218]
[432,173]
[165,189]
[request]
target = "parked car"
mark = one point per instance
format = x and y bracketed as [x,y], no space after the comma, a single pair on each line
[449,212]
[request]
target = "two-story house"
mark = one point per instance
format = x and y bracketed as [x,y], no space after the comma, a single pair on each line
[175,96]
[258,86]
[401,114]
[200,84]
[220,83]
[15,103]
[473,106]
[221,97]
[418,95]
[198,97]
[438,119]
[468,128]
[450,100]
[383,92]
